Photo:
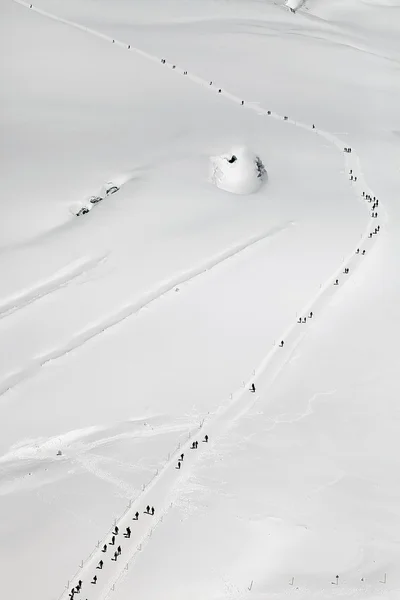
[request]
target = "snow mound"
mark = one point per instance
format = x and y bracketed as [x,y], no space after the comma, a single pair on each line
[240,171]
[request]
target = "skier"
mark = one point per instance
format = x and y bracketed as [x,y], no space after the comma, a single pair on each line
[336,282]
[313,126]
[182,455]
[100,565]
[310,316]
[119,550]
[206,438]
[79,584]
[193,446]
[210,82]
[358,251]
[253,388]
[128,532]
[304,320]
[136,516]
[104,548]
[148,509]
[242,102]
[179,465]
[219,91]
[116,530]
[115,556]
[370,235]
[363,252]
[355,178]
[129,47]
[152,510]
[94,580]
[299,321]
[281,344]
[112,543]
[351,171]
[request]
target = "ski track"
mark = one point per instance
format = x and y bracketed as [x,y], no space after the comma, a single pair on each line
[30,370]
[64,277]
[166,482]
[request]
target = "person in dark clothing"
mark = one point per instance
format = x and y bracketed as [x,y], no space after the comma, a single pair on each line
[310,316]
[94,579]
[313,126]
[182,455]
[79,584]
[136,516]
[112,543]
[119,550]
[152,510]
[304,320]
[100,565]
[129,46]
[363,252]
[116,530]
[148,509]
[281,344]
[336,282]
[219,91]
[115,556]
[178,465]
[193,446]
[242,102]
[104,548]
[206,438]
[253,388]
[299,320]
[358,251]
[128,532]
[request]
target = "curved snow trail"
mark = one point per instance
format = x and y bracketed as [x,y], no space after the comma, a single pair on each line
[164,486]
[131,308]
[63,277]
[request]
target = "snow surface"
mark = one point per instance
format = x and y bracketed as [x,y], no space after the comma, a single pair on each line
[129,332]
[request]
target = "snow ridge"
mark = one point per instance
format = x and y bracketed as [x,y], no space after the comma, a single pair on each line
[159,489]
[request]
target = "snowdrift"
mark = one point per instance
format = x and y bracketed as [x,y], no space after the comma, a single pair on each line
[240,171]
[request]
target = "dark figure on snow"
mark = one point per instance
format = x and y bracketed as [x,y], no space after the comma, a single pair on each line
[304,320]
[152,510]
[363,252]
[242,102]
[355,178]
[210,82]
[310,316]
[219,91]
[336,282]
[113,41]
[94,579]
[112,541]
[206,438]
[104,548]
[351,171]
[136,516]
[358,251]
[370,235]
[281,344]
[116,531]
[100,565]
[148,509]
[313,126]
[128,532]
[299,321]
[253,388]
[193,446]
[173,66]
[115,556]
[129,47]
[182,455]
[178,465]
[119,550]
[268,112]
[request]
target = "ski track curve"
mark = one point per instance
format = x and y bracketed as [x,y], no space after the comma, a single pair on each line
[132,308]
[166,479]
[63,278]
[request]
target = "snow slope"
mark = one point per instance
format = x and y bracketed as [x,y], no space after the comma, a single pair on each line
[212,283]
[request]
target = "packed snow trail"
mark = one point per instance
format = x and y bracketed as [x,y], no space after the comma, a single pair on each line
[130,309]
[161,490]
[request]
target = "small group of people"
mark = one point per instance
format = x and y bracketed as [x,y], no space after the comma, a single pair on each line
[347,150]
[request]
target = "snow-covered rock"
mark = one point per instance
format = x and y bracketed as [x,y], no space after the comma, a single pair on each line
[240,171]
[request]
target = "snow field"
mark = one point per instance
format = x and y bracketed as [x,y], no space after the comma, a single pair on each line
[275,366]
[286,351]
